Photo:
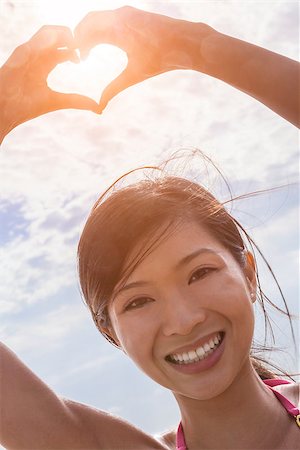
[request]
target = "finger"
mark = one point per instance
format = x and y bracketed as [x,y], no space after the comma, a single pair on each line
[97,27]
[60,100]
[126,79]
[89,30]
[61,56]
[52,37]
[47,62]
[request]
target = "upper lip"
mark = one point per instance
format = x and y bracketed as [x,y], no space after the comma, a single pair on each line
[198,343]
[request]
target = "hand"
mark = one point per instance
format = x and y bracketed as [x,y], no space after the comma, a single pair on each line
[24,93]
[154,43]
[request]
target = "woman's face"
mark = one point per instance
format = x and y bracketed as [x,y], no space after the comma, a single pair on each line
[177,303]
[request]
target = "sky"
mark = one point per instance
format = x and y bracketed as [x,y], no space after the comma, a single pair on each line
[53,169]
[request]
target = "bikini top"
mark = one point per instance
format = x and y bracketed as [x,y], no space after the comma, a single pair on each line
[291,409]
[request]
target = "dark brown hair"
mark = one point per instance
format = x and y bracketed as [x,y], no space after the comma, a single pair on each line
[127,216]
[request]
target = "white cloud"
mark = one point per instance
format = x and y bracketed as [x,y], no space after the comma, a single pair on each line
[48,332]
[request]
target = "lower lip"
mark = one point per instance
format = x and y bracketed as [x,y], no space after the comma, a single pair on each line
[204,364]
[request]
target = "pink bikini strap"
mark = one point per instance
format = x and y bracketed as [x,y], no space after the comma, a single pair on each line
[180,442]
[291,409]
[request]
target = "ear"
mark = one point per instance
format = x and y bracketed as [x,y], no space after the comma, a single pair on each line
[250,273]
[110,333]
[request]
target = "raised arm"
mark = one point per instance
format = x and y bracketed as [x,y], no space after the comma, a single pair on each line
[33,417]
[271,78]
[155,44]
[24,93]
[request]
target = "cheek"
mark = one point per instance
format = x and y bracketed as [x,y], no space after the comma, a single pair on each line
[230,296]
[239,309]
[132,335]
[138,338]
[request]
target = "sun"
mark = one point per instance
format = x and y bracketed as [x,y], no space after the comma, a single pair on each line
[89,77]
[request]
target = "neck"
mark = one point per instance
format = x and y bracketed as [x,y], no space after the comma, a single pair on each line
[238,416]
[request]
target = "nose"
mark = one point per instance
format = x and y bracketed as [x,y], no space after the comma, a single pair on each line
[181,315]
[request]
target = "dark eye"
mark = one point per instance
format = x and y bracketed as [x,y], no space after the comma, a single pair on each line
[137,303]
[200,273]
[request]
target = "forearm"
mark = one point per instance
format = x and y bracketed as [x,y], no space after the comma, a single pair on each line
[271,78]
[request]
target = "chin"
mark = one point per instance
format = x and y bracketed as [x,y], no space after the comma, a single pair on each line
[200,393]
[214,385]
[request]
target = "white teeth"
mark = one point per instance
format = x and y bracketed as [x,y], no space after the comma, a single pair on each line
[206,347]
[185,357]
[199,353]
[192,354]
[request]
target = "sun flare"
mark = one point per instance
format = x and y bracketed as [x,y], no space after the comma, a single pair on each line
[105,61]
[69,13]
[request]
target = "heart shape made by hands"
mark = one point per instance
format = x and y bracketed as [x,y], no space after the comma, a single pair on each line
[89,77]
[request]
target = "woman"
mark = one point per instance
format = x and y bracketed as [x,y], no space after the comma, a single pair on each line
[175,293]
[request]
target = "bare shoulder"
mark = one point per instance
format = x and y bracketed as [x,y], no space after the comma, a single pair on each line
[113,432]
[291,392]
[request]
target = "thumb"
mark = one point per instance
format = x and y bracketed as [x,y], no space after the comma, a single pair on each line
[60,100]
[126,79]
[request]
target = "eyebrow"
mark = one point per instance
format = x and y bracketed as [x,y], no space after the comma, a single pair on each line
[192,256]
[185,260]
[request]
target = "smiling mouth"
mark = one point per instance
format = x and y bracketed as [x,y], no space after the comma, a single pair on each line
[199,353]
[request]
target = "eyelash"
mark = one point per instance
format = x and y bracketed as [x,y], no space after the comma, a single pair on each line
[203,272]
[130,306]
